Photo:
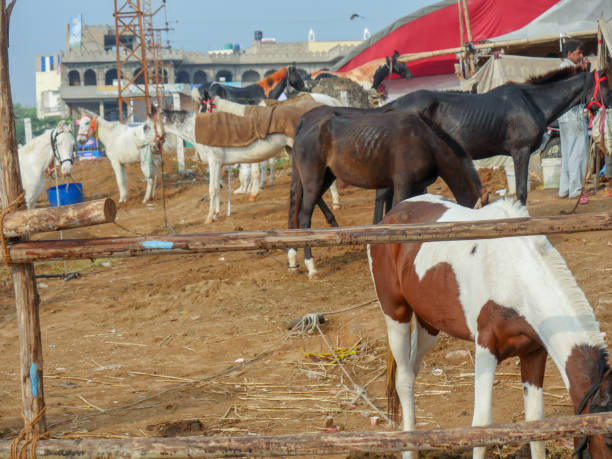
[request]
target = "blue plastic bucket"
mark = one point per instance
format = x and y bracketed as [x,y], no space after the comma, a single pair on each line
[69,193]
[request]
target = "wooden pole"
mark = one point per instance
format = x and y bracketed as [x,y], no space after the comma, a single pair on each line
[500,44]
[468,30]
[461,42]
[24,283]
[325,237]
[324,444]
[33,221]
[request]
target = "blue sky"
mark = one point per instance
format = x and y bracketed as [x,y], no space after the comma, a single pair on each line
[38,26]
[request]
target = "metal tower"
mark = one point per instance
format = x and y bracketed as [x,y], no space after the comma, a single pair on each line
[137,40]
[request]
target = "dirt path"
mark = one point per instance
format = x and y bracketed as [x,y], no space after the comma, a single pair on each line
[139,346]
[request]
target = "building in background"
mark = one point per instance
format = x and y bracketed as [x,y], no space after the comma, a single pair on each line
[88,75]
[48,82]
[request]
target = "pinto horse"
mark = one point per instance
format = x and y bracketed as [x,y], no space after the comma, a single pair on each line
[514,297]
[510,119]
[374,150]
[271,87]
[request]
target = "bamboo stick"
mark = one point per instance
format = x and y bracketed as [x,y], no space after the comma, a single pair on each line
[23,252]
[59,218]
[27,300]
[336,443]
[500,44]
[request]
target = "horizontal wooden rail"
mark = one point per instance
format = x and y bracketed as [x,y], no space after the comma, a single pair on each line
[322,444]
[79,215]
[22,252]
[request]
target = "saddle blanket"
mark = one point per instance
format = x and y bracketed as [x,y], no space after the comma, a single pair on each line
[221,129]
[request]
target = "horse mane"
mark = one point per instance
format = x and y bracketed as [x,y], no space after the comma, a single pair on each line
[555,75]
[176,116]
[505,208]
[269,82]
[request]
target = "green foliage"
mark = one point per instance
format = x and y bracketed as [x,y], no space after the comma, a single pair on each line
[38,126]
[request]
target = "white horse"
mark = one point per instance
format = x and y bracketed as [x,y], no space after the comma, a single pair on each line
[182,125]
[35,158]
[252,176]
[124,145]
[512,296]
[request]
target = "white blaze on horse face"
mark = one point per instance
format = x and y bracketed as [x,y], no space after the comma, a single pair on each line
[525,274]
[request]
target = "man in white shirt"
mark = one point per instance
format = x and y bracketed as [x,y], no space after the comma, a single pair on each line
[573,131]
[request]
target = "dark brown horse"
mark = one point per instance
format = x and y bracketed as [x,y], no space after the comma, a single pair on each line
[372,150]
[508,120]
[513,297]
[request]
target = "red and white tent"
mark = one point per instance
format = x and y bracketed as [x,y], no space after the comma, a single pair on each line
[436,27]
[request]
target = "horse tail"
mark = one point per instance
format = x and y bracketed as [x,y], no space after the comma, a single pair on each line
[295,195]
[393,401]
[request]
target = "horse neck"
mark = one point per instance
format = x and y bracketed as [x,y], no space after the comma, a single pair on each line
[561,315]
[38,151]
[108,131]
[184,129]
[277,90]
[554,99]
[227,106]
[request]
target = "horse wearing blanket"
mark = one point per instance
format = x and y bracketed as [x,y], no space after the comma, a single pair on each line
[221,138]
[514,297]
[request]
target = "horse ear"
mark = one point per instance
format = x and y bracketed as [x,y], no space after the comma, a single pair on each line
[388,61]
[153,111]
[61,125]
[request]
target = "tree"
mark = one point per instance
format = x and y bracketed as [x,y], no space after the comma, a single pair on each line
[38,126]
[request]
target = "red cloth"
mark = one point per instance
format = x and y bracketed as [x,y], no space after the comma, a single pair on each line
[440,30]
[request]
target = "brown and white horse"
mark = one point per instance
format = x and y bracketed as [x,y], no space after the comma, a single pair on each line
[514,297]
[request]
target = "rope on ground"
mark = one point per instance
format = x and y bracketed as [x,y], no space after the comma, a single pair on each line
[129,230]
[221,373]
[29,435]
[10,208]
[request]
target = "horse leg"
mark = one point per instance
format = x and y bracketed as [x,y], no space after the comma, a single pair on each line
[521,173]
[272,164]
[214,172]
[532,375]
[330,218]
[121,177]
[157,159]
[254,182]
[245,178]
[263,171]
[400,346]
[333,189]
[382,203]
[484,375]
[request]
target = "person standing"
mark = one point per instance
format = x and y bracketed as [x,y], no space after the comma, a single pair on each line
[573,130]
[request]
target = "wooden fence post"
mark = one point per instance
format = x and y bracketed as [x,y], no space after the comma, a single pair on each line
[26,293]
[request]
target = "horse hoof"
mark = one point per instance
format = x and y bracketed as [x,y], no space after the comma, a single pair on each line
[293,269]
[336,206]
[313,275]
[252,198]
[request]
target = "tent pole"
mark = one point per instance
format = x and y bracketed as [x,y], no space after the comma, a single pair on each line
[461,42]
[468,30]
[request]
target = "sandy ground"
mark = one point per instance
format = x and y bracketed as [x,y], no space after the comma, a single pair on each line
[141,346]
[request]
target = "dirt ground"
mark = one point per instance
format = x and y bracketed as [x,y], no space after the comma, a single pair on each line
[142,346]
